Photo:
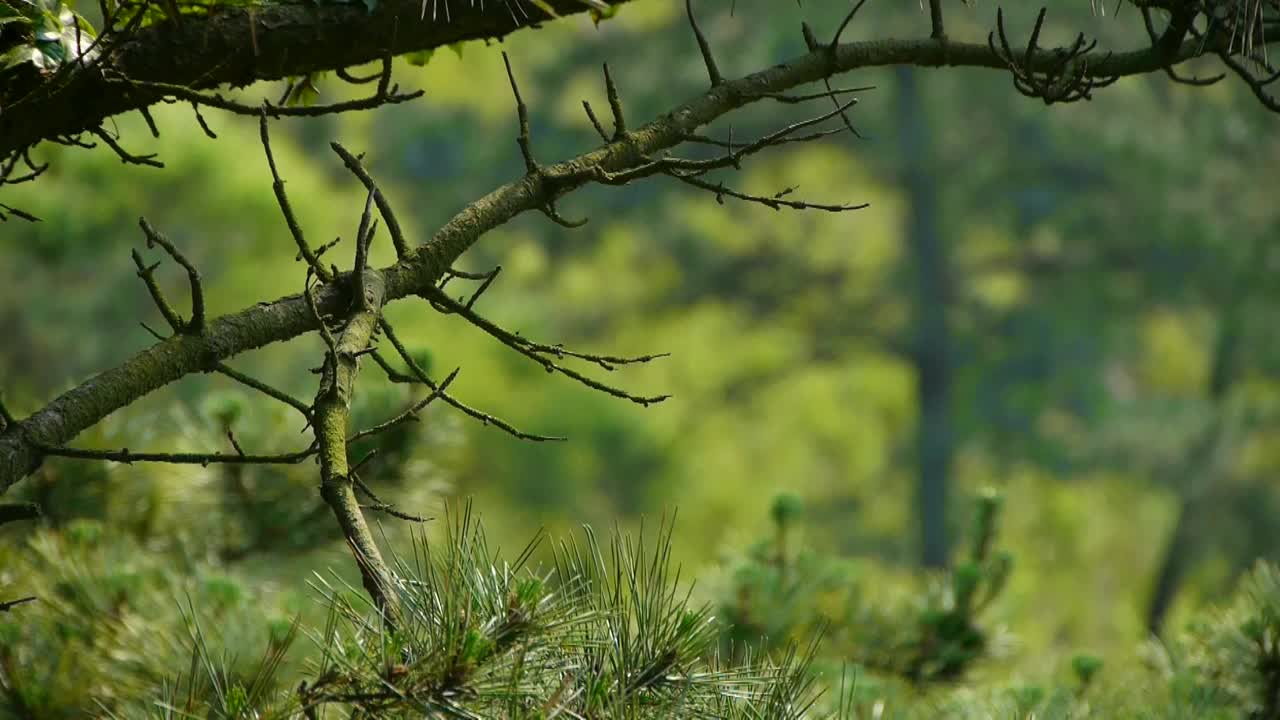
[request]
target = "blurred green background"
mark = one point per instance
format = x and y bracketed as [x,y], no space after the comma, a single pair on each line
[1073,304]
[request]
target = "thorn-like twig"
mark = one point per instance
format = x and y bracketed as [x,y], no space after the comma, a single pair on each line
[522,115]
[264,388]
[935,19]
[364,236]
[235,444]
[201,121]
[382,506]
[777,201]
[420,376]
[213,100]
[151,122]
[147,273]
[538,352]
[8,605]
[197,292]
[329,341]
[488,280]
[844,24]
[595,121]
[1057,76]
[411,413]
[615,105]
[282,198]
[384,208]
[708,58]
[124,155]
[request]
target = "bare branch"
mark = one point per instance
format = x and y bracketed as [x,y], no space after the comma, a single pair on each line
[778,201]
[236,45]
[615,105]
[125,156]
[8,605]
[704,47]
[384,208]
[331,411]
[197,292]
[282,198]
[265,389]
[420,376]
[128,457]
[382,506]
[409,414]
[84,405]
[14,512]
[522,115]
[595,121]
[935,18]
[537,352]
[147,273]
[213,100]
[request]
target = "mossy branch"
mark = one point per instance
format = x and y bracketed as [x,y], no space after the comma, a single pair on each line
[415,274]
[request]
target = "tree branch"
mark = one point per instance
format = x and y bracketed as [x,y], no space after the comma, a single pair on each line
[269,322]
[331,411]
[239,46]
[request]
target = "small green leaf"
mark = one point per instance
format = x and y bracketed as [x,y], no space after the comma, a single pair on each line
[17,56]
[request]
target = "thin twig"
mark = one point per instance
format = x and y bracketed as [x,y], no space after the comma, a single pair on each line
[128,457]
[537,352]
[615,105]
[124,155]
[197,292]
[8,605]
[282,198]
[181,92]
[522,115]
[420,376]
[147,273]
[264,388]
[704,47]
[409,414]
[384,208]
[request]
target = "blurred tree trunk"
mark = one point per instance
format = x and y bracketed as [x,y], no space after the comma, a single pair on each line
[931,347]
[1178,552]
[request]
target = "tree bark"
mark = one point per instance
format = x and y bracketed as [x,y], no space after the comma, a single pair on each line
[931,350]
[237,46]
[66,416]
[331,411]
[1176,558]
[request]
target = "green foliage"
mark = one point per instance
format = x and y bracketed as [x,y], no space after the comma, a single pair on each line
[44,34]
[1230,658]
[926,636]
[608,632]
[104,630]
